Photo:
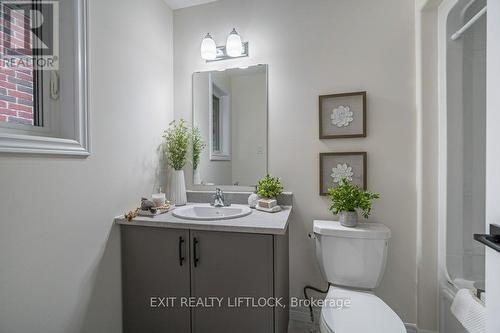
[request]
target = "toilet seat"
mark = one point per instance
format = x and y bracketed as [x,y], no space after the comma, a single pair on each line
[365,313]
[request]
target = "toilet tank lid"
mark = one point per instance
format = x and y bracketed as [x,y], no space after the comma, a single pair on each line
[368,230]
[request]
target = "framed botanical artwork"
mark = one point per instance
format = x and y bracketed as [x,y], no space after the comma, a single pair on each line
[342,115]
[335,166]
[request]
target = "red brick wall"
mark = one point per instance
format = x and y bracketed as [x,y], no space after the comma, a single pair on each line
[16,84]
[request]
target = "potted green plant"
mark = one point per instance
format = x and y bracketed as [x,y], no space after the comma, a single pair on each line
[198,146]
[346,198]
[177,138]
[268,188]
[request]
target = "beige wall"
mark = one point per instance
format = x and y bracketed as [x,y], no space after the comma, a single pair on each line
[59,250]
[314,48]
[427,262]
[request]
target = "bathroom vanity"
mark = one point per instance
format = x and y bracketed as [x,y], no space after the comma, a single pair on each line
[189,271]
[184,275]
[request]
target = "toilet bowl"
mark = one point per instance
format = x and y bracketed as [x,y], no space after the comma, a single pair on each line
[353,311]
[353,262]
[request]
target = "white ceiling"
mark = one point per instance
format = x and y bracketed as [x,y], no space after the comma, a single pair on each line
[176,4]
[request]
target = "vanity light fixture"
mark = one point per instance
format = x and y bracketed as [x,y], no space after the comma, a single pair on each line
[208,48]
[234,48]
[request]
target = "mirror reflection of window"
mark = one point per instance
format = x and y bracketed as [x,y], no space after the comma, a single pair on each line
[220,118]
[216,124]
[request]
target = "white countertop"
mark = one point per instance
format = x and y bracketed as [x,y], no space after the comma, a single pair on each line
[257,222]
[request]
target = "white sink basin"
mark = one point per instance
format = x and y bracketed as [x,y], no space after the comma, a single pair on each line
[210,213]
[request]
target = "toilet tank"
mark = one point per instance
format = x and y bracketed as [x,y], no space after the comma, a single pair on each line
[352,257]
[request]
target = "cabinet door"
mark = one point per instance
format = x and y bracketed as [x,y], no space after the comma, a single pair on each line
[151,267]
[230,265]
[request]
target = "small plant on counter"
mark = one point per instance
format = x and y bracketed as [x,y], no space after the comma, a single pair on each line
[198,146]
[177,138]
[269,187]
[346,198]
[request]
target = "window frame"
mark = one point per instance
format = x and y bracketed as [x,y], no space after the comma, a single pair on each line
[23,140]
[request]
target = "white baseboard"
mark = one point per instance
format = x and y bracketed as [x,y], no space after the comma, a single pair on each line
[412,328]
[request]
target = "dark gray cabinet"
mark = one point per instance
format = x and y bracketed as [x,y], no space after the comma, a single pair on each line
[151,269]
[234,267]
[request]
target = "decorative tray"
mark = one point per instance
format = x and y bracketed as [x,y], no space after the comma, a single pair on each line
[159,211]
[149,213]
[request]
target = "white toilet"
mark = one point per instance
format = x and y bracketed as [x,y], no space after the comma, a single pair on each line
[353,261]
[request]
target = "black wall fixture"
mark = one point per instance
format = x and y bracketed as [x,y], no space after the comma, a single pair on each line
[491,240]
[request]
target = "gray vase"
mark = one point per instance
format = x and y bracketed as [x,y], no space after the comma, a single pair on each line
[348,219]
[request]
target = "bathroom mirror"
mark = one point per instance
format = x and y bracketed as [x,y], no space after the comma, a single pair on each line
[230,113]
[43,77]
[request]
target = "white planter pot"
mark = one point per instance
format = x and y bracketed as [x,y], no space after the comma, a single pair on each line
[178,188]
[348,219]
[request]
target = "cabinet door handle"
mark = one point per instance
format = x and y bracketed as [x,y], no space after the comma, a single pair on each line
[181,257]
[196,260]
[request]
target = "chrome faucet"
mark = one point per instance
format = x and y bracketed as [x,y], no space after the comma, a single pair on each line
[219,200]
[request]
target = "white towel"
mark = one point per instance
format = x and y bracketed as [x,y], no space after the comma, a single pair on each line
[469,311]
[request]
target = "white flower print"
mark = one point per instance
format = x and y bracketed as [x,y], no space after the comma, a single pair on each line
[342,116]
[342,171]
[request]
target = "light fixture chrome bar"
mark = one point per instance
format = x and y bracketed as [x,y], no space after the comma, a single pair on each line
[222,55]
[467,25]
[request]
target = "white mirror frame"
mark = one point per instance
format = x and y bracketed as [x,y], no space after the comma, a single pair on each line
[20,143]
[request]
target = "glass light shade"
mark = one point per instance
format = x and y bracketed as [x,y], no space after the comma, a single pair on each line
[233,44]
[208,49]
